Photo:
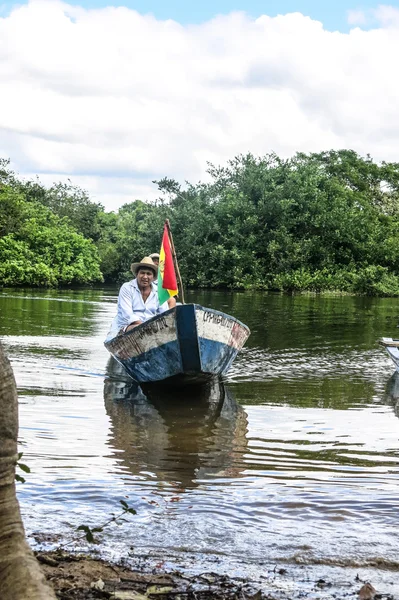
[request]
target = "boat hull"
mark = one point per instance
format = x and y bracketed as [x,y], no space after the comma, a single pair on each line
[392,347]
[187,344]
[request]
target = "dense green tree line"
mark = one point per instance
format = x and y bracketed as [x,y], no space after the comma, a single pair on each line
[326,221]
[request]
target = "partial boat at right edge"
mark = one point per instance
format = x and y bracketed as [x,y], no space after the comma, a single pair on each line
[391,345]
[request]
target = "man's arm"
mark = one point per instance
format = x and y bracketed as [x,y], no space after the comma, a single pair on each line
[171,302]
[167,305]
[132,325]
[126,312]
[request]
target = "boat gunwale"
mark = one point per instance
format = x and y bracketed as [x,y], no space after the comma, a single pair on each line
[120,336]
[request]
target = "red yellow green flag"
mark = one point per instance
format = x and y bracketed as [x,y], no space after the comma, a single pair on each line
[167,284]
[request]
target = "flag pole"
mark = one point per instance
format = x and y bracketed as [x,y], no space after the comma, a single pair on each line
[172,247]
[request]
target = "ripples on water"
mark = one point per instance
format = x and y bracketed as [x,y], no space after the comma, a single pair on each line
[293,459]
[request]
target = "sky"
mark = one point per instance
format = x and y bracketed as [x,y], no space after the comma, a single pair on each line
[113,97]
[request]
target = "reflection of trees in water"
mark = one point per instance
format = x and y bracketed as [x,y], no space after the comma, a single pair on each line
[286,322]
[181,436]
[392,392]
[37,315]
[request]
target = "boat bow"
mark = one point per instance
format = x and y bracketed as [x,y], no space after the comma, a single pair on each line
[188,343]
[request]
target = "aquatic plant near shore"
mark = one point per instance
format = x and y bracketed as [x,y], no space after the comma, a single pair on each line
[89,532]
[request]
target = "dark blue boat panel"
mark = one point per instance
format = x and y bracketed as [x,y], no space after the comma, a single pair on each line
[155,365]
[186,325]
[216,357]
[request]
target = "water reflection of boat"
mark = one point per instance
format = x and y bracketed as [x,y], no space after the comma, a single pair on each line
[186,344]
[180,436]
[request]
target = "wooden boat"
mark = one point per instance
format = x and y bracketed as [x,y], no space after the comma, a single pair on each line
[186,344]
[391,345]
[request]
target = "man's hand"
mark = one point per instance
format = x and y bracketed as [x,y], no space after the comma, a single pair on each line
[132,325]
[172,302]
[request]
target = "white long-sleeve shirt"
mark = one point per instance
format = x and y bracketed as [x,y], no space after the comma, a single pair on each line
[131,307]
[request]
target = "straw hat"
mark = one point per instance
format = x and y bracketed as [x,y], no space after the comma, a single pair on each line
[154,255]
[146,263]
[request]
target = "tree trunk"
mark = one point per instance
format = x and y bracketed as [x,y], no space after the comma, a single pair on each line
[20,574]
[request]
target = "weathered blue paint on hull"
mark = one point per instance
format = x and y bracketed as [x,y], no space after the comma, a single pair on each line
[157,364]
[216,358]
[165,362]
[188,344]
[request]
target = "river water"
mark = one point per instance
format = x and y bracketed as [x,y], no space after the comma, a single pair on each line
[287,472]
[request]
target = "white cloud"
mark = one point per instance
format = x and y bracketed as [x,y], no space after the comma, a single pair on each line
[108,190]
[388,16]
[357,17]
[114,99]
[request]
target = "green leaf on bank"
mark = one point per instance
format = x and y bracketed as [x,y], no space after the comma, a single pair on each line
[23,467]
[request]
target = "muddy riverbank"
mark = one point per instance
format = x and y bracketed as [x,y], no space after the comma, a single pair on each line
[84,577]
[81,577]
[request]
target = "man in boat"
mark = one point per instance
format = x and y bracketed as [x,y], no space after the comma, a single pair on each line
[155,259]
[138,298]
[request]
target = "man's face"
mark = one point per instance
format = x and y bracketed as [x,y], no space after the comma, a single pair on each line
[155,261]
[145,277]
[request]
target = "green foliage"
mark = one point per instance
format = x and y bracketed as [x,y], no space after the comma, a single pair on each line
[67,200]
[39,248]
[317,222]
[23,468]
[375,280]
[89,532]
